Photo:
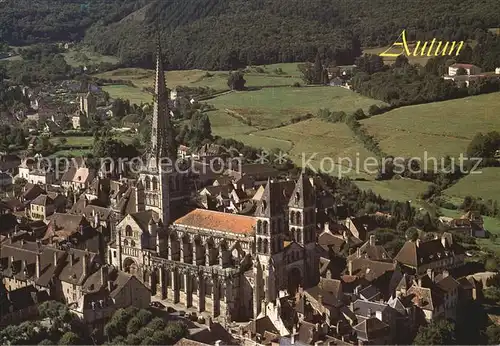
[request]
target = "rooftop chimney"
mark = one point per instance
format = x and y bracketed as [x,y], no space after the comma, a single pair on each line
[85,264]
[104,275]
[71,259]
[320,299]
[417,242]
[369,313]
[38,265]
[358,252]
[372,240]
[55,258]
[349,266]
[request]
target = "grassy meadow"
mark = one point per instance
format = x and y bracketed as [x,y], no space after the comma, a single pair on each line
[270,107]
[485,184]
[397,189]
[81,56]
[440,128]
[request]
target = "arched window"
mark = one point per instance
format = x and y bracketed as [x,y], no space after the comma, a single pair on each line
[265,246]
[266,228]
[125,242]
[259,227]
[298,218]
[292,217]
[132,243]
[294,235]
[128,231]
[259,245]
[147,183]
[154,182]
[297,197]
[299,236]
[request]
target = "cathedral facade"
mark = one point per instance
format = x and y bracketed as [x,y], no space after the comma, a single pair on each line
[227,266]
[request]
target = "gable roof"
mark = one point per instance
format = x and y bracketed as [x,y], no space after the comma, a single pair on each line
[42,200]
[418,253]
[218,221]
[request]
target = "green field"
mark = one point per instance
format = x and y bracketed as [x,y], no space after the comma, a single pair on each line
[322,142]
[440,128]
[484,184]
[82,57]
[270,107]
[75,140]
[262,76]
[135,95]
[397,189]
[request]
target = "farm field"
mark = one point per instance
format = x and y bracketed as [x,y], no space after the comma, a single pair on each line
[135,95]
[485,185]
[397,189]
[75,140]
[317,140]
[82,56]
[262,76]
[440,128]
[270,107]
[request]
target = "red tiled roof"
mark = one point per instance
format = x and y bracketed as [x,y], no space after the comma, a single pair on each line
[222,222]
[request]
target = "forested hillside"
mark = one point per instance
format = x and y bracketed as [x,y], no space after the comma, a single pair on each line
[222,34]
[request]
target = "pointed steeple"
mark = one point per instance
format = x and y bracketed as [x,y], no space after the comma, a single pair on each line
[162,136]
[303,194]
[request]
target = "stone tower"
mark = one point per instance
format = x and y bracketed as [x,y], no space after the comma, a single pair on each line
[269,246]
[162,153]
[302,221]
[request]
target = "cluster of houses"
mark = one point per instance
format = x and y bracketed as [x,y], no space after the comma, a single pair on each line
[472,73]
[58,244]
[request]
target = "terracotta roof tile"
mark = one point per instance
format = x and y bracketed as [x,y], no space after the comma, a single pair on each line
[222,222]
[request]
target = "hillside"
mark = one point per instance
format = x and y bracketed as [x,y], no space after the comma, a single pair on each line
[225,34]
[440,128]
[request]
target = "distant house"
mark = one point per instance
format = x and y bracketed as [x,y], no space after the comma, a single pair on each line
[469,68]
[337,81]
[437,254]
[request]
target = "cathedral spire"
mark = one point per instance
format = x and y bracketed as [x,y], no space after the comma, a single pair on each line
[162,137]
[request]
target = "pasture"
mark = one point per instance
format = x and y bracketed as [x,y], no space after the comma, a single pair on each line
[439,128]
[271,107]
[396,189]
[483,184]
[325,145]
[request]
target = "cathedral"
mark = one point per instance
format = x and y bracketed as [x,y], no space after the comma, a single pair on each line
[228,266]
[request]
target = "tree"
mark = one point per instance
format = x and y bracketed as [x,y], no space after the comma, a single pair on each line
[157,323]
[374,110]
[318,69]
[69,338]
[144,316]
[176,331]
[490,264]
[236,81]
[440,332]
[411,233]
[307,71]
[493,334]
[133,325]
[402,226]
[401,61]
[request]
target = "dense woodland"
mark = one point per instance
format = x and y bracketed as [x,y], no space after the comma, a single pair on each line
[223,34]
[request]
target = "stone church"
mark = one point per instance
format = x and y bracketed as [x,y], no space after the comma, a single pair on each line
[229,266]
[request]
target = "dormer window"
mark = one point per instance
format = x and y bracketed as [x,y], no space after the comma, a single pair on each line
[297,197]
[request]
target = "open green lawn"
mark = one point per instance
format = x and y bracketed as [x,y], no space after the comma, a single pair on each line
[72,153]
[485,184]
[135,95]
[261,76]
[82,57]
[397,189]
[440,128]
[270,107]
[75,140]
[324,143]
